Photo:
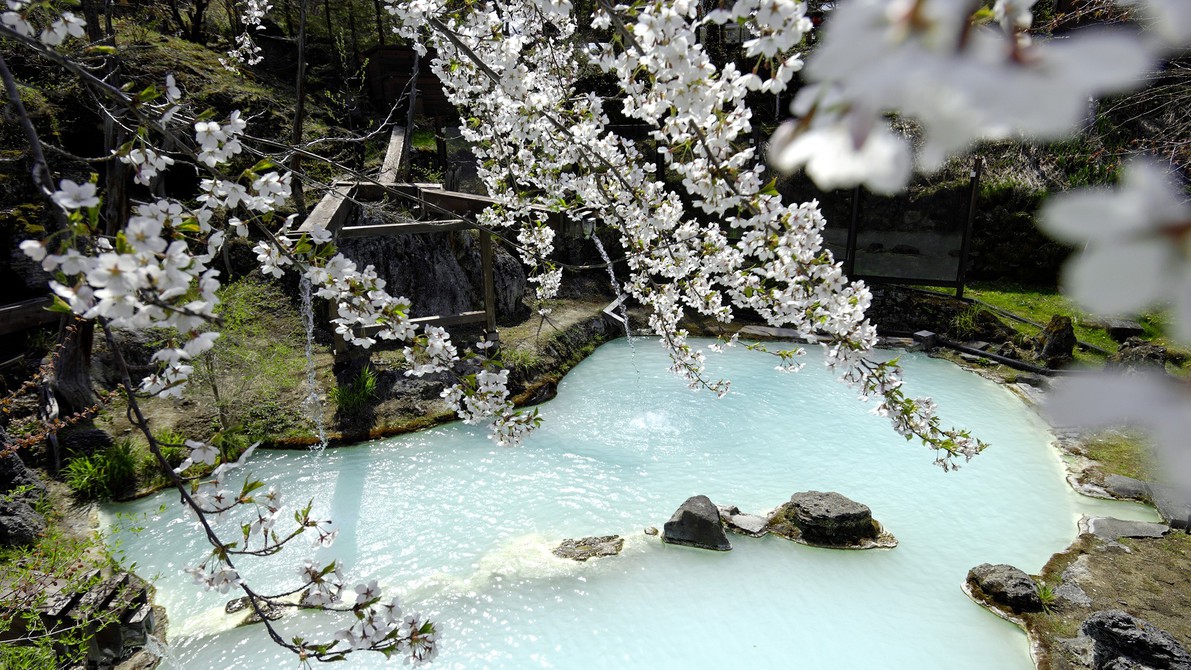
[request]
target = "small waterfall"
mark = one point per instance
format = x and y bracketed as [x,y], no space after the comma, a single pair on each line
[155,646]
[624,312]
[312,404]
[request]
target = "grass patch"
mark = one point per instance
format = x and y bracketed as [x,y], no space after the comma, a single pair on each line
[423,138]
[1121,453]
[1039,304]
[104,474]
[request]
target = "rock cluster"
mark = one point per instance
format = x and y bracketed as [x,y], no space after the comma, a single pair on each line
[20,489]
[1138,354]
[1124,642]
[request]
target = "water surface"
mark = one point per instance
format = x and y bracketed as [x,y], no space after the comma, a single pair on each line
[462,529]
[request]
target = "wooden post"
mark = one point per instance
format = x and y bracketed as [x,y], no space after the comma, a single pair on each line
[965,245]
[853,229]
[404,163]
[489,281]
[440,143]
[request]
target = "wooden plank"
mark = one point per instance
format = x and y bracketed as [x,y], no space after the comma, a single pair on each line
[391,167]
[448,320]
[489,281]
[26,314]
[407,228]
[332,211]
[460,203]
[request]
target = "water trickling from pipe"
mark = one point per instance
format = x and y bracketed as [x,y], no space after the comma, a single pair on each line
[624,313]
[312,404]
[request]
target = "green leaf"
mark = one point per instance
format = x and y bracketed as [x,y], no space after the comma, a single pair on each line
[59,305]
[770,188]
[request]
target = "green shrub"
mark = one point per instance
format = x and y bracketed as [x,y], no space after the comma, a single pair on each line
[1047,595]
[356,396]
[103,474]
[966,324]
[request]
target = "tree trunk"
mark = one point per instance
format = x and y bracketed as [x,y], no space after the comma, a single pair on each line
[295,161]
[91,14]
[72,375]
[380,24]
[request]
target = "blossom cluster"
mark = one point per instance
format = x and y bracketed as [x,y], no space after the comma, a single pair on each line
[543,146]
[57,31]
[930,61]
[247,51]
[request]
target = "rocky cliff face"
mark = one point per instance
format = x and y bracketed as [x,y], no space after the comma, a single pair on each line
[440,273]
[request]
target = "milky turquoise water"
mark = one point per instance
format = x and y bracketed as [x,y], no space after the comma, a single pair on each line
[462,529]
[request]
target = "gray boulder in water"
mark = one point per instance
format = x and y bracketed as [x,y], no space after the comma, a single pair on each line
[696,523]
[1005,586]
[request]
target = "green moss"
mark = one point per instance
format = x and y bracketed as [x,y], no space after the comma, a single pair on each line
[1122,454]
[1039,304]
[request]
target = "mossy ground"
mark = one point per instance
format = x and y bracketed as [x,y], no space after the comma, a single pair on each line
[1144,577]
[1039,304]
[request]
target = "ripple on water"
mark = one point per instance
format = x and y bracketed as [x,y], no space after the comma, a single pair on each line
[463,530]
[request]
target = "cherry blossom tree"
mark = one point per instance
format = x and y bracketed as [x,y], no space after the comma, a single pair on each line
[962,72]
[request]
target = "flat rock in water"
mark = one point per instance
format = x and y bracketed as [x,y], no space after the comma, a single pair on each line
[589,547]
[1113,529]
[696,523]
[1126,487]
[272,611]
[1124,642]
[744,524]
[1004,586]
[770,332]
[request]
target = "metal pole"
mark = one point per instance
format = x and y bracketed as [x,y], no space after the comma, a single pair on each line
[962,272]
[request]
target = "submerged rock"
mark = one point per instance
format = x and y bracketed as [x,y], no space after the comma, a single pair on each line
[696,523]
[1122,641]
[1004,586]
[590,547]
[271,610]
[829,519]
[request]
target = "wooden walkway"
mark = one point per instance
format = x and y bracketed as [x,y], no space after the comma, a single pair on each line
[436,210]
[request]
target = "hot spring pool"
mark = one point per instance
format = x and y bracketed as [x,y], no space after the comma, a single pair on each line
[462,529]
